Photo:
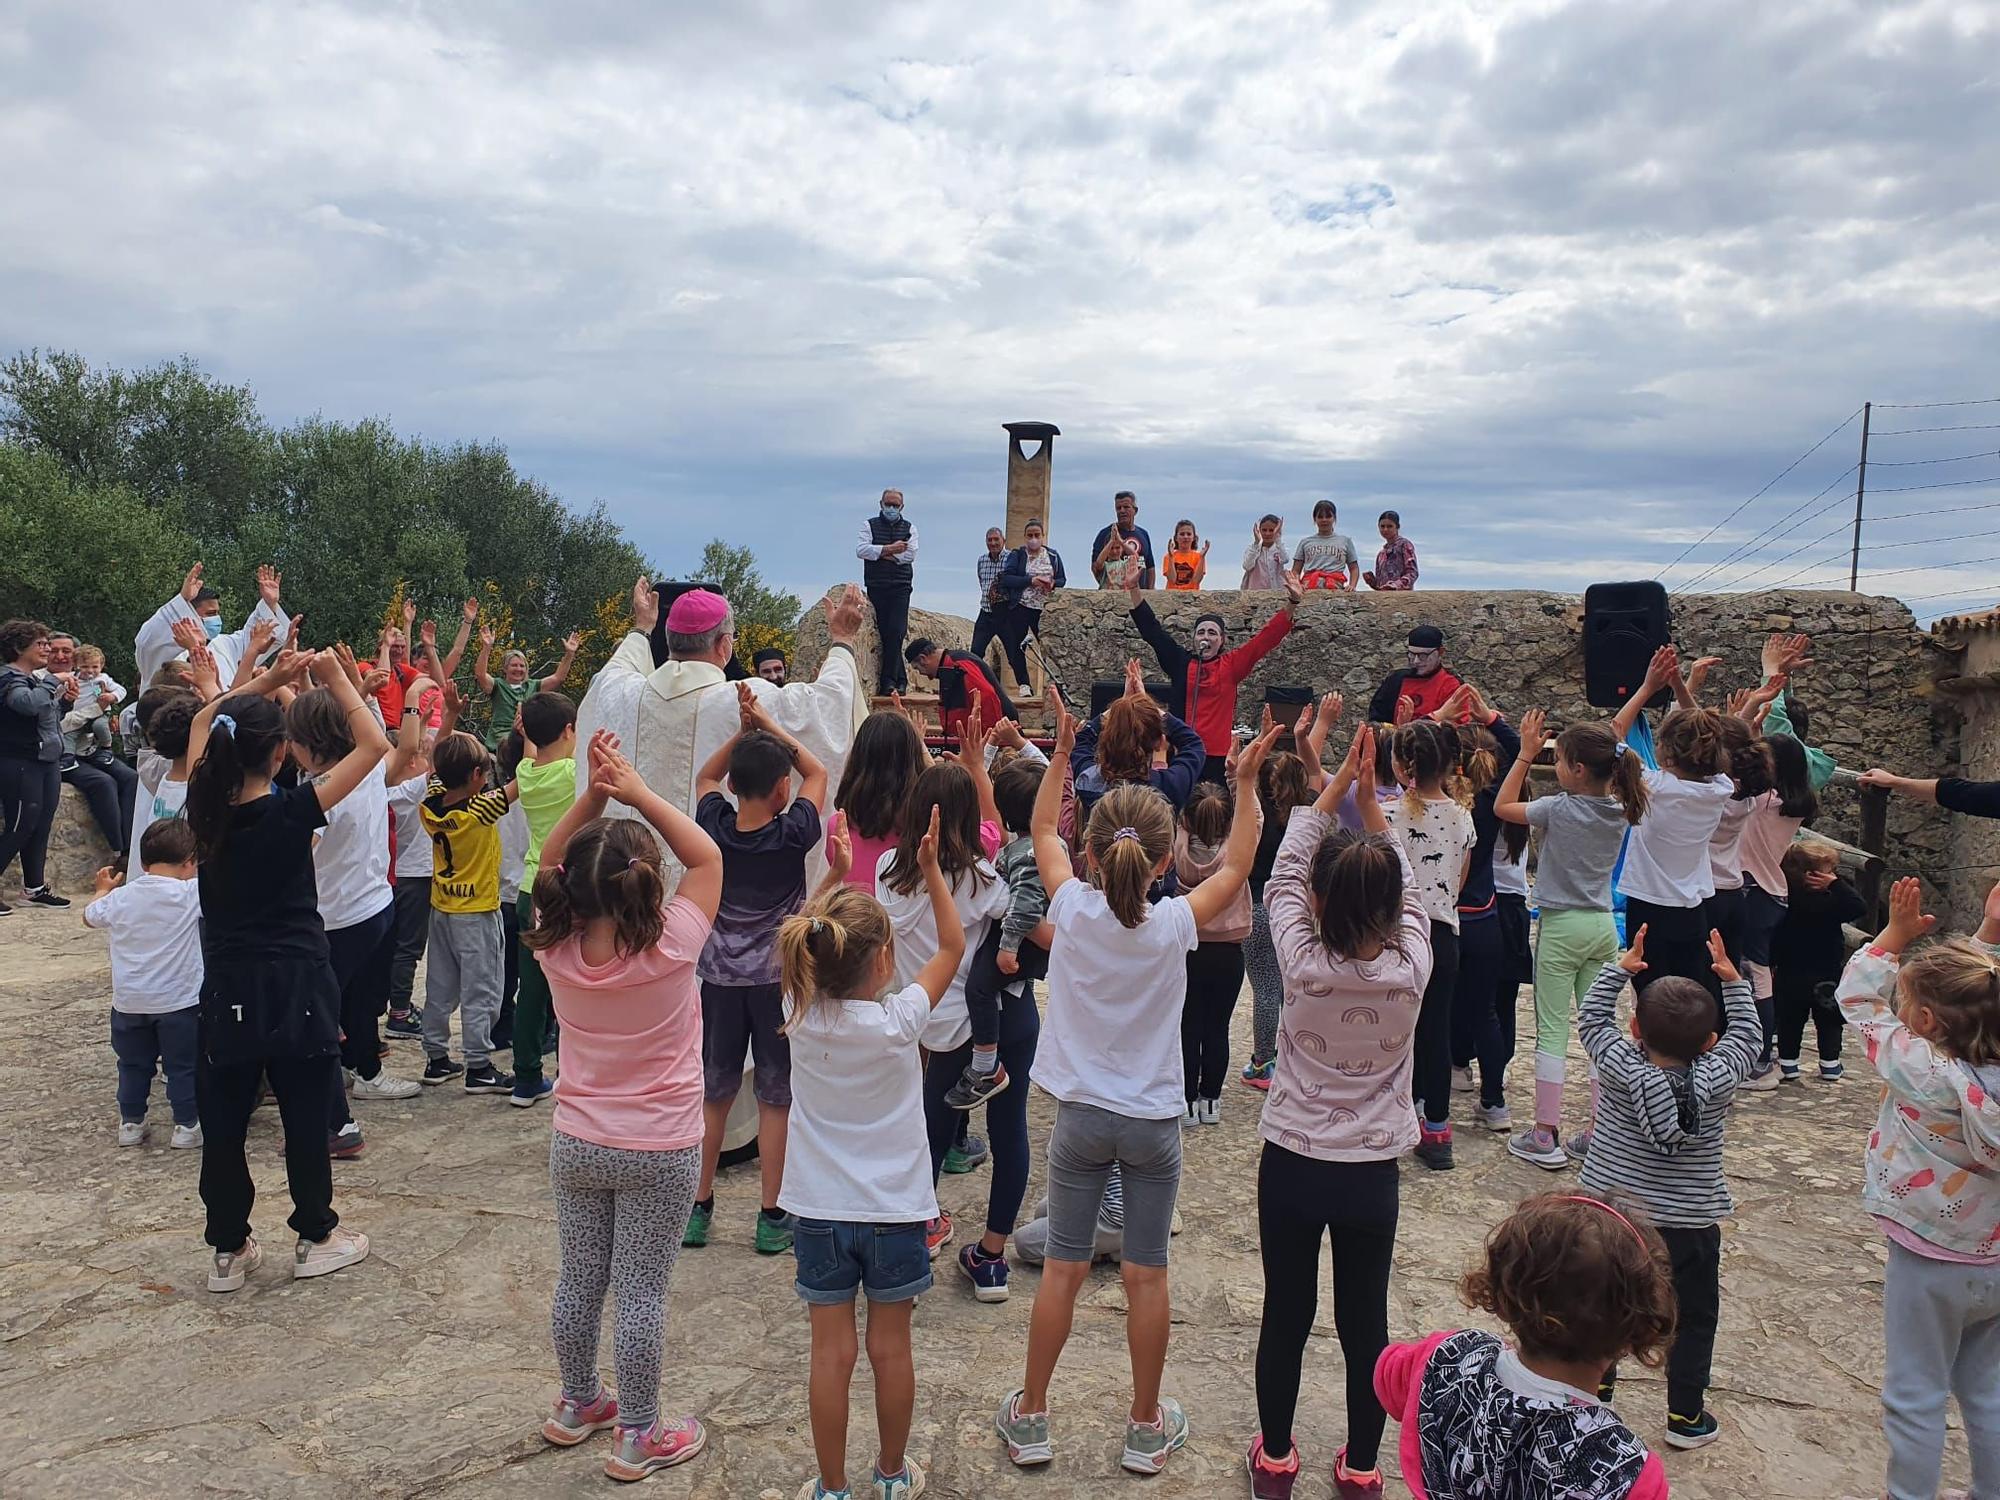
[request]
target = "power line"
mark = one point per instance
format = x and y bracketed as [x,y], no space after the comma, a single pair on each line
[1760,493]
[1942,484]
[1914,431]
[1942,510]
[1929,405]
[1824,536]
[1926,541]
[1745,549]
[1898,572]
[1906,463]
[1972,593]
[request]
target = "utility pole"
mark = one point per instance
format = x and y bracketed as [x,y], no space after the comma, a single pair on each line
[1860,490]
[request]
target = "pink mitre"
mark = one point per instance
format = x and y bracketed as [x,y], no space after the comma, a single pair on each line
[697,612]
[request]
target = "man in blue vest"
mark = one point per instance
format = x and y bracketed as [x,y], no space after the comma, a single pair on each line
[888,553]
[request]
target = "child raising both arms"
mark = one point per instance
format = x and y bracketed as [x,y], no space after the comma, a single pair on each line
[1931,1027]
[625,1151]
[858,1172]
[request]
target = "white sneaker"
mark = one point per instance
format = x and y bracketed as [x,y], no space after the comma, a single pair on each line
[1211,1111]
[385,1085]
[337,1251]
[186,1138]
[232,1266]
[1191,1116]
[1496,1117]
[131,1132]
[1461,1081]
[1762,1083]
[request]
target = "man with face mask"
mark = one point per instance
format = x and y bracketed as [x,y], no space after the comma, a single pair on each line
[1203,681]
[1427,682]
[769,664]
[888,553]
[155,645]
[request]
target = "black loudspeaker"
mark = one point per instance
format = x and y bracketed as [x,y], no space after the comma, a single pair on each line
[1107,691]
[1623,625]
[1286,704]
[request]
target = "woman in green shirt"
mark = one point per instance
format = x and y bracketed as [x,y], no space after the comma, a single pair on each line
[506,693]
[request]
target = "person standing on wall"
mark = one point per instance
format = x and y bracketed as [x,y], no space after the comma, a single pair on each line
[1326,559]
[992,616]
[888,553]
[1395,567]
[1123,547]
[1032,573]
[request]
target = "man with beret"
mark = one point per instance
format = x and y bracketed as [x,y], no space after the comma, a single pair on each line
[1202,683]
[1427,682]
[769,664]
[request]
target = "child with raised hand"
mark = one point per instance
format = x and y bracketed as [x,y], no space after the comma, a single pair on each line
[270,1005]
[1483,999]
[1285,782]
[547,778]
[1117,978]
[858,1175]
[887,758]
[1931,1027]
[1185,566]
[414,867]
[154,923]
[1775,817]
[1354,941]
[1580,1285]
[1437,833]
[764,838]
[1808,952]
[1664,1096]
[1581,830]
[625,1151]
[1215,967]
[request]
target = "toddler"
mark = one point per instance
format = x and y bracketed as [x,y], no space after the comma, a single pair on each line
[1808,952]
[88,721]
[467,961]
[1215,968]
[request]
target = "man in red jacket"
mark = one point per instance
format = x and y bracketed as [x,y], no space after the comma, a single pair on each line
[962,681]
[1204,680]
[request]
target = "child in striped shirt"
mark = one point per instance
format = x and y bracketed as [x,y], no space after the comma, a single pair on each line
[1664,1098]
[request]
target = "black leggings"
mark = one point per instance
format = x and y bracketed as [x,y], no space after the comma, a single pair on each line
[1214,979]
[1430,1078]
[1676,944]
[1482,1007]
[1796,999]
[110,787]
[1006,1112]
[1300,1201]
[360,957]
[1016,626]
[29,790]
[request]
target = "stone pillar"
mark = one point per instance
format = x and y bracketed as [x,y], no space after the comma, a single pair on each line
[1028,493]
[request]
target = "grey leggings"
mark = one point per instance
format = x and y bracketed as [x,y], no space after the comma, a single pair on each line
[1267,984]
[620,1216]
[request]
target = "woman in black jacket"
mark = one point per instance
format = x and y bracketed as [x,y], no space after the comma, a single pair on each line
[31,751]
[1031,573]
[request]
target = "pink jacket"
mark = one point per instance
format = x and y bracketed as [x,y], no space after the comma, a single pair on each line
[1341,1089]
[1233,925]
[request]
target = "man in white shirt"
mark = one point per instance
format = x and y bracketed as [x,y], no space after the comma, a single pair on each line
[155,645]
[888,553]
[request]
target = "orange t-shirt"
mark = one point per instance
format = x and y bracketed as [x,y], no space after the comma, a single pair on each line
[1184,570]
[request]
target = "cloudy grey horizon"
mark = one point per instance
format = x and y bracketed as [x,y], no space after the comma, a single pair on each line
[1562,283]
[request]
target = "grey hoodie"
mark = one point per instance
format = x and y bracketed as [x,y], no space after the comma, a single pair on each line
[1658,1135]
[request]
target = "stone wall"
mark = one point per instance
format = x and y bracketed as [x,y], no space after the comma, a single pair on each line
[1975,842]
[77,851]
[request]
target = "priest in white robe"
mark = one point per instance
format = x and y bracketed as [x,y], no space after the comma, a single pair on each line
[155,645]
[671,718]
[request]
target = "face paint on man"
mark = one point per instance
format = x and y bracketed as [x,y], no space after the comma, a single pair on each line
[1208,640]
[1426,650]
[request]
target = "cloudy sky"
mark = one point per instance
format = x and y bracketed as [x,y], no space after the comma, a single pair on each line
[1563,283]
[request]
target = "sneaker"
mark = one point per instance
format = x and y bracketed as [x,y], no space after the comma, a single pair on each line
[1761,1083]
[937,1233]
[959,1160]
[186,1138]
[643,1450]
[903,1486]
[407,1027]
[231,1266]
[46,897]
[987,1273]
[1434,1147]
[1697,1431]
[528,1092]
[570,1422]
[1539,1146]
[1349,1485]
[974,1089]
[441,1070]
[1788,1072]
[774,1235]
[1461,1081]
[1209,1111]
[384,1085]
[1577,1147]
[1831,1072]
[346,1143]
[487,1079]
[814,1490]
[696,1234]
[1148,1445]
[1026,1437]
[6,910]
[132,1132]
[1257,1075]
[1271,1480]
[336,1252]
[1191,1116]
[1496,1117]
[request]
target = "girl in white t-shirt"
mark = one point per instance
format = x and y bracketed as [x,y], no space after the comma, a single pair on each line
[1436,832]
[1110,1056]
[857,1169]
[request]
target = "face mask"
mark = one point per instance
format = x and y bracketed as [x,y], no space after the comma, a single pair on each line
[211,625]
[1033,544]
[890,512]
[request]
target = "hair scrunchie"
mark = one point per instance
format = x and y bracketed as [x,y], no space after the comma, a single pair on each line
[226,724]
[1618,751]
[1125,833]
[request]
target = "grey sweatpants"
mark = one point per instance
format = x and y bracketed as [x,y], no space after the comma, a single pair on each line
[1267,985]
[467,967]
[1943,1339]
[620,1216]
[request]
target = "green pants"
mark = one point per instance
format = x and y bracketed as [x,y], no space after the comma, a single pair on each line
[1573,948]
[532,1008]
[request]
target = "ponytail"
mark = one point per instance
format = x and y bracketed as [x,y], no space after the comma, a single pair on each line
[1131,831]
[244,732]
[829,949]
[610,869]
[1596,750]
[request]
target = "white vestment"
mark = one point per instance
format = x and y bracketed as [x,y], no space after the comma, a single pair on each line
[670,719]
[155,646]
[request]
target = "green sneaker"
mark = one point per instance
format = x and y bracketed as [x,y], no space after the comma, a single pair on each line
[970,1159]
[697,1230]
[1148,1445]
[774,1236]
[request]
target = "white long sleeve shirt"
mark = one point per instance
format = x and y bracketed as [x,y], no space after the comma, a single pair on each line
[154,646]
[869,552]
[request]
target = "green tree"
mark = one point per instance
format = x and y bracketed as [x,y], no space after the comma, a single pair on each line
[734,571]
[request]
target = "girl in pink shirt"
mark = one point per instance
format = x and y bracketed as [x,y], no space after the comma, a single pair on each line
[625,1154]
[887,758]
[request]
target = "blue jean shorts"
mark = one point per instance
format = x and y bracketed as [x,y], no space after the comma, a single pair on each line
[836,1259]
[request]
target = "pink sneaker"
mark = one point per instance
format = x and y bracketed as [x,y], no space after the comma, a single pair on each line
[1271,1480]
[1349,1485]
[570,1423]
[640,1451]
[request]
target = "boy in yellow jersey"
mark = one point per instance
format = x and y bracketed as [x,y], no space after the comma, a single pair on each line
[547,782]
[467,953]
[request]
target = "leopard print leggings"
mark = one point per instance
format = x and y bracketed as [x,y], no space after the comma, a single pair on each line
[620,1216]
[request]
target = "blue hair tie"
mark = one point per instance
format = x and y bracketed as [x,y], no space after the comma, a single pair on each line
[1618,751]
[226,724]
